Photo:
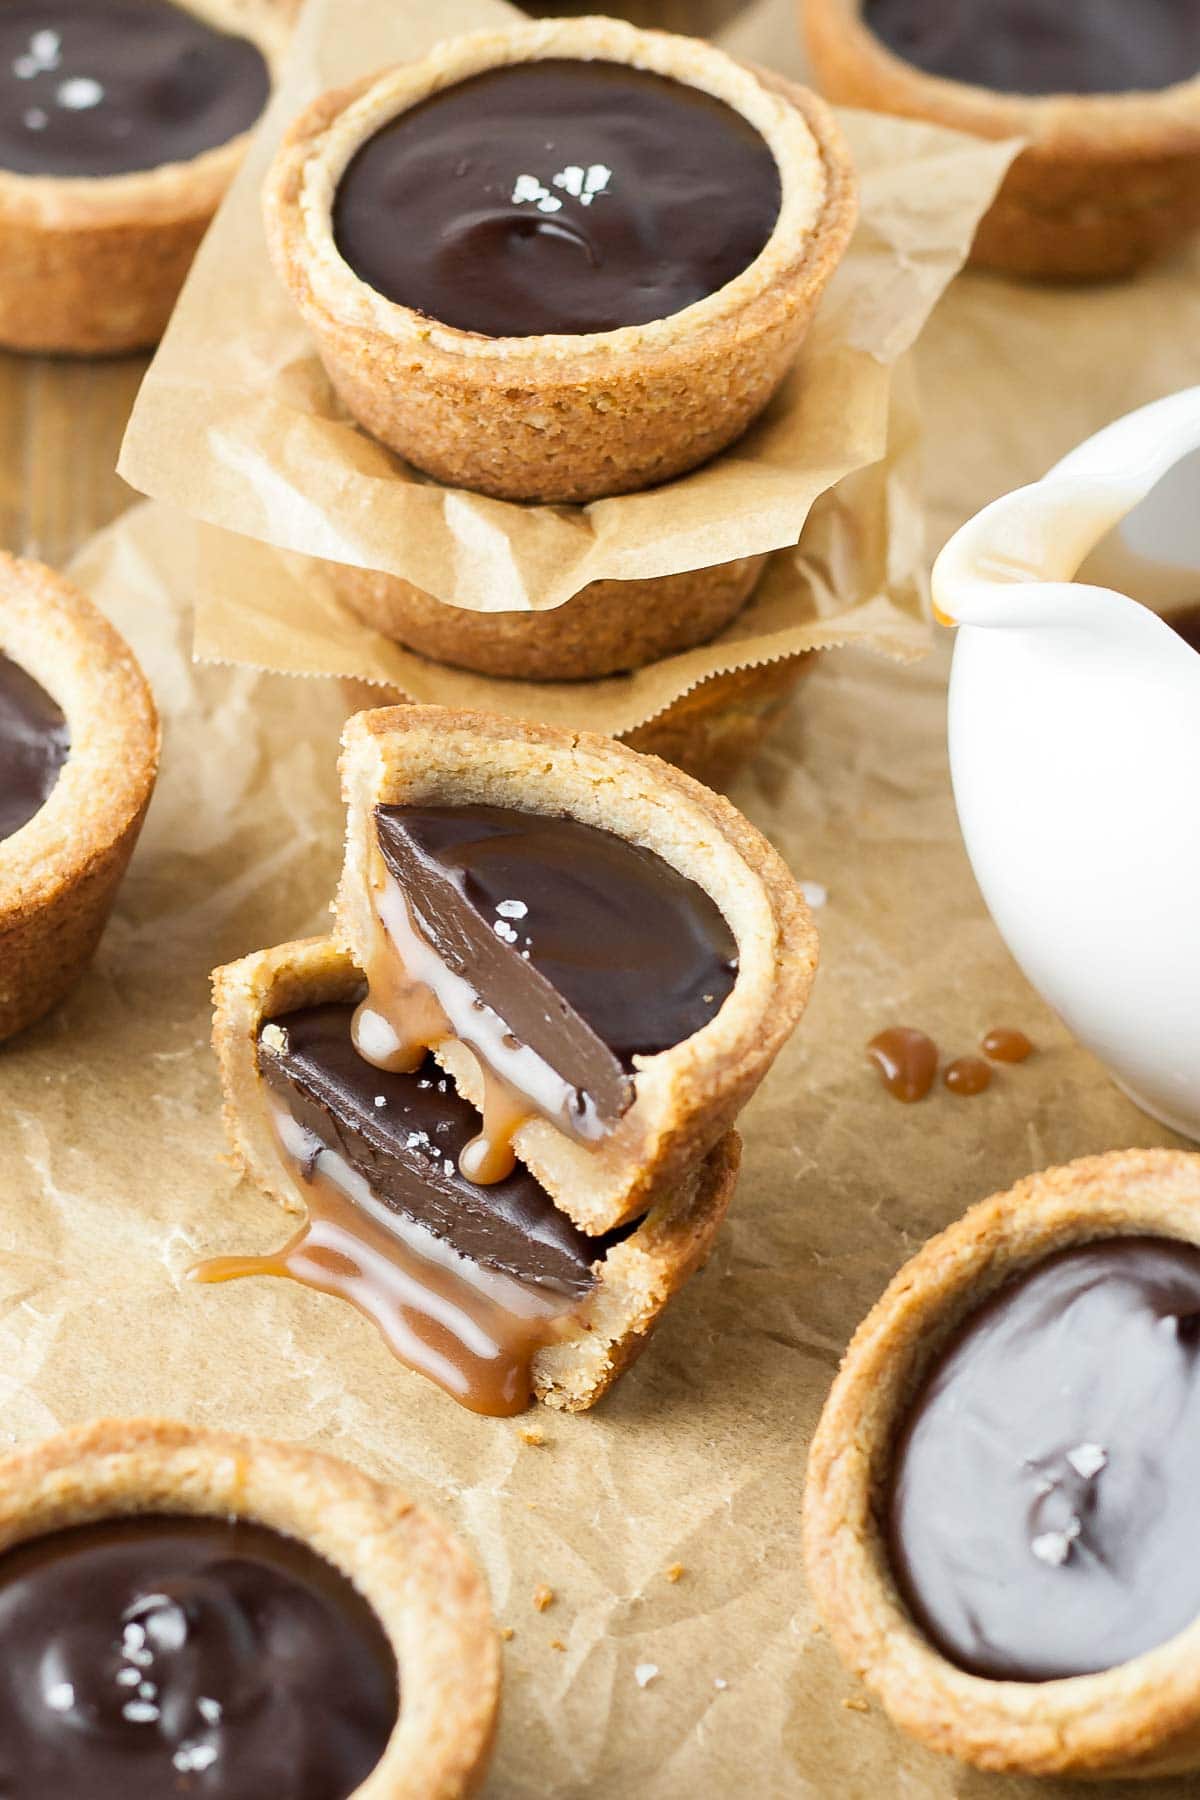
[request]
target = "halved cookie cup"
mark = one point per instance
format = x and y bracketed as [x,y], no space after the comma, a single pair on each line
[93,265]
[1107,183]
[685,1098]
[608,628]
[419,1581]
[636,1278]
[1139,1718]
[562,418]
[59,873]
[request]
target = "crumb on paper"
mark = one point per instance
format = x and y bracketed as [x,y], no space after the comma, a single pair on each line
[532,1434]
[543,1597]
[855,1703]
[676,1572]
[557,1644]
[645,1673]
[507,1633]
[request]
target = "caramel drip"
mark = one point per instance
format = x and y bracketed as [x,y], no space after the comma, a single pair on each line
[907,1061]
[471,1331]
[405,1015]
[1006,1045]
[968,1076]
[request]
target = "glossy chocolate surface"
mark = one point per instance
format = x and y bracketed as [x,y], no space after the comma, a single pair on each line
[155,1657]
[591,949]
[559,196]
[33,746]
[1045,46]
[104,87]
[1043,1510]
[407,1151]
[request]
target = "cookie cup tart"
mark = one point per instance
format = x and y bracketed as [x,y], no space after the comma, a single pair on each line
[646,885]
[92,265]
[59,871]
[563,416]
[608,628]
[711,732]
[416,1579]
[1107,181]
[567,1361]
[1139,1717]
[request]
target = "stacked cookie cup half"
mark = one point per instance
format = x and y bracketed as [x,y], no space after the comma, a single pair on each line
[557,336]
[503,1092]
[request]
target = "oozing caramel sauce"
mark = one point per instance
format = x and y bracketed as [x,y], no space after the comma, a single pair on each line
[968,1076]
[415,1003]
[907,1061]
[1005,1044]
[472,1331]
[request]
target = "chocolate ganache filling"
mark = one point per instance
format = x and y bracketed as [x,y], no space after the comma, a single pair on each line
[560,197]
[1043,1506]
[1045,46]
[106,87]
[403,1134]
[585,950]
[155,1657]
[33,746]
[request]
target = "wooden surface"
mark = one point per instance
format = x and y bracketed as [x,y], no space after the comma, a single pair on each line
[61,422]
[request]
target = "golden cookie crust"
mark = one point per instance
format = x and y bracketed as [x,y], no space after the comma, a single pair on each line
[422,1585]
[636,1280]
[92,266]
[608,628]
[562,418]
[59,873]
[1107,183]
[1141,1718]
[688,1097]
[710,732]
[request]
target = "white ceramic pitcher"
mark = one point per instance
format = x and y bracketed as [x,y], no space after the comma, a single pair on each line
[1075,741]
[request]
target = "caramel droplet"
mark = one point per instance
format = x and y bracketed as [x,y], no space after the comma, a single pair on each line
[968,1076]
[907,1061]
[1006,1045]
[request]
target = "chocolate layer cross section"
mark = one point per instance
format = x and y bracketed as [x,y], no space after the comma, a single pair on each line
[403,1134]
[558,952]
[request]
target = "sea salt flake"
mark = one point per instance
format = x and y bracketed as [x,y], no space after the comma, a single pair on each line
[1054,1547]
[720,1683]
[505,932]
[512,909]
[528,187]
[1088,1459]
[47,47]
[209,1710]
[61,1697]
[381,1099]
[139,1712]
[645,1673]
[190,1758]
[79,94]
[128,1678]
[815,893]
[35,119]
[275,1038]
[596,182]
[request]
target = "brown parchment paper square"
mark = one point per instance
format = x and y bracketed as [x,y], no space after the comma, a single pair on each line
[112,1181]
[237,425]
